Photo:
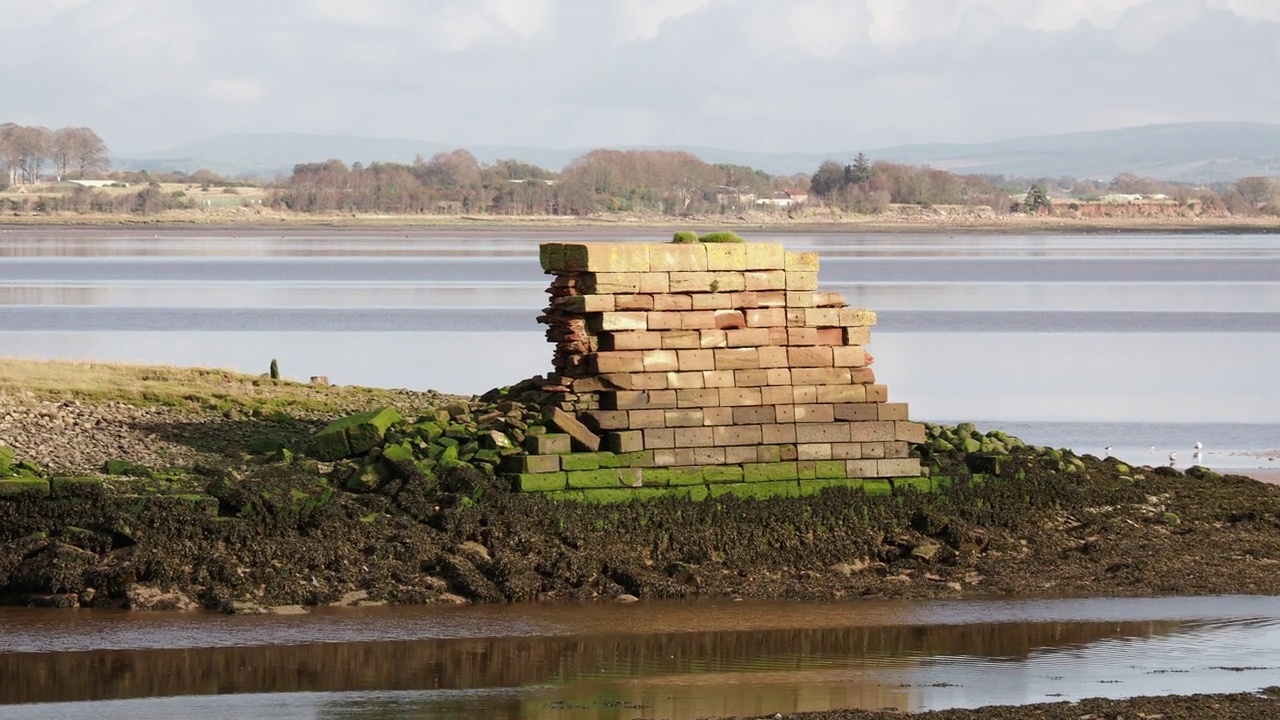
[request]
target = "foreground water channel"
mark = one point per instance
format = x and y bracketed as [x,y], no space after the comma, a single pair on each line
[646,660]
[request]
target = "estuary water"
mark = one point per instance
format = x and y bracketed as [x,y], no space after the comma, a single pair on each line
[1143,343]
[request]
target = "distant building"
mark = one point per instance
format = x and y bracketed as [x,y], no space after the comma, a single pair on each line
[94,183]
[785,198]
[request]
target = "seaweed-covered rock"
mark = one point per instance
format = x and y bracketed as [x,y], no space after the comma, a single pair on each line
[354,434]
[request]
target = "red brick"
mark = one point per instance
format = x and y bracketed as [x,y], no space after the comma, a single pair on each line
[738,397]
[737,435]
[767,317]
[718,379]
[748,337]
[691,437]
[683,418]
[726,319]
[625,442]
[815,356]
[778,336]
[667,302]
[737,358]
[695,360]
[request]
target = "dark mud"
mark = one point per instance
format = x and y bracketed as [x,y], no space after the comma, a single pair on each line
[278,535]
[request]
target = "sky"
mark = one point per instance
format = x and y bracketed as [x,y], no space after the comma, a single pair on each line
[751,75]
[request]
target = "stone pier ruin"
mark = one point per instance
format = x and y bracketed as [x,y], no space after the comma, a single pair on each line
[709,368]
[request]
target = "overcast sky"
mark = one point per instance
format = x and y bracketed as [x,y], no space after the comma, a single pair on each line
[765,75]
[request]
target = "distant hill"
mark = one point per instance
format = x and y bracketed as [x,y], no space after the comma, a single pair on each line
[1185,152]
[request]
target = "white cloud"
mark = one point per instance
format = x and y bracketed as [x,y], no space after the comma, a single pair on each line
[643,19]
[1268,10]
[525,18]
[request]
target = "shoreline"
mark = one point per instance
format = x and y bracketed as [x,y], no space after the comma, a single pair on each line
[893,224]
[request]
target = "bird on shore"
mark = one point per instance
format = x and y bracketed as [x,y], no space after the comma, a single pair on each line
[1173,457]
[1197,446]
[1107,450]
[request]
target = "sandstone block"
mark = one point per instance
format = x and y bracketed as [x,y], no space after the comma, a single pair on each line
[711,301]
[800,261]
[771,299]
[857,317]
[765,280]
[664,320]
[546,444]
[822,317]
[736,358]
[857,335]
[830,336]
[849,356]
[655,283]
[740,454]
[750,378]
[738,397]
[773,356]
[632,303]
[691,437]
[753,415]
[871,431]
[778,395]
[666,302]
[664,457]
[822,413]
[691,282]
[695,361]
[681,340]
[730,319]
[660,361]
[630,341]
[822,432]
[813,451]
[713,416]
[747,337]
[606,420]
[584,303]
[862,375]
[815,356]
[618,361]
[606,257]
[551,255]
[609,283]
[802,280]
[766,317]
[804,394]
[892,411]
[820,376]
[673,257]
[659,438]
[846,451]
[698,398]
[857,412]
[796,316]
[532,464]
[828,299]
[726,435]
[646,419]
[574,429]
[861,469]
[708,456]
[712,339]
[726,256]
[718,378]
[626,441]
[872,450]
[637,400]
[765,256]
[899,467]
[685,381]
[776,375]
[684,457]
[724,283]
[877,393]
[896,449]
[800,299]
[779,434]
[802,336]
[698,320]
[909,432]
[684,418]
[842,394]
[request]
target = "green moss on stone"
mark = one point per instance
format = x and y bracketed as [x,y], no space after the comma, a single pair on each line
[722,474]
[758,490]
[918,484]
[877,487]
[580,461]
[24,486]
[540,482]
[593,479]
[830,469]
[687,476]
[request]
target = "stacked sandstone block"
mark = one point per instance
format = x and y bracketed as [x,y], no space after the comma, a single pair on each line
[717,356]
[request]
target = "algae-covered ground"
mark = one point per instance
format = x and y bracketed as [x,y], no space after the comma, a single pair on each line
[162,487]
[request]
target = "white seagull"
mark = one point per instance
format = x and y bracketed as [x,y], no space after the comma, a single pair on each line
[1197,446]
[1107,450]
[1173,457]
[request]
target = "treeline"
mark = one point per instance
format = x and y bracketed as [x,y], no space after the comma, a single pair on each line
[26,150]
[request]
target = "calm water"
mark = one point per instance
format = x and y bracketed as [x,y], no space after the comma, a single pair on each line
[651,660]
[1078,341]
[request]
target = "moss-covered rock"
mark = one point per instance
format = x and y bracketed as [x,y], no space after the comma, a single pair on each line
[354,434]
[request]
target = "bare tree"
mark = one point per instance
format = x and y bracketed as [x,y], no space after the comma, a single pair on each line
[9,153]
[79,148]
[33,146]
